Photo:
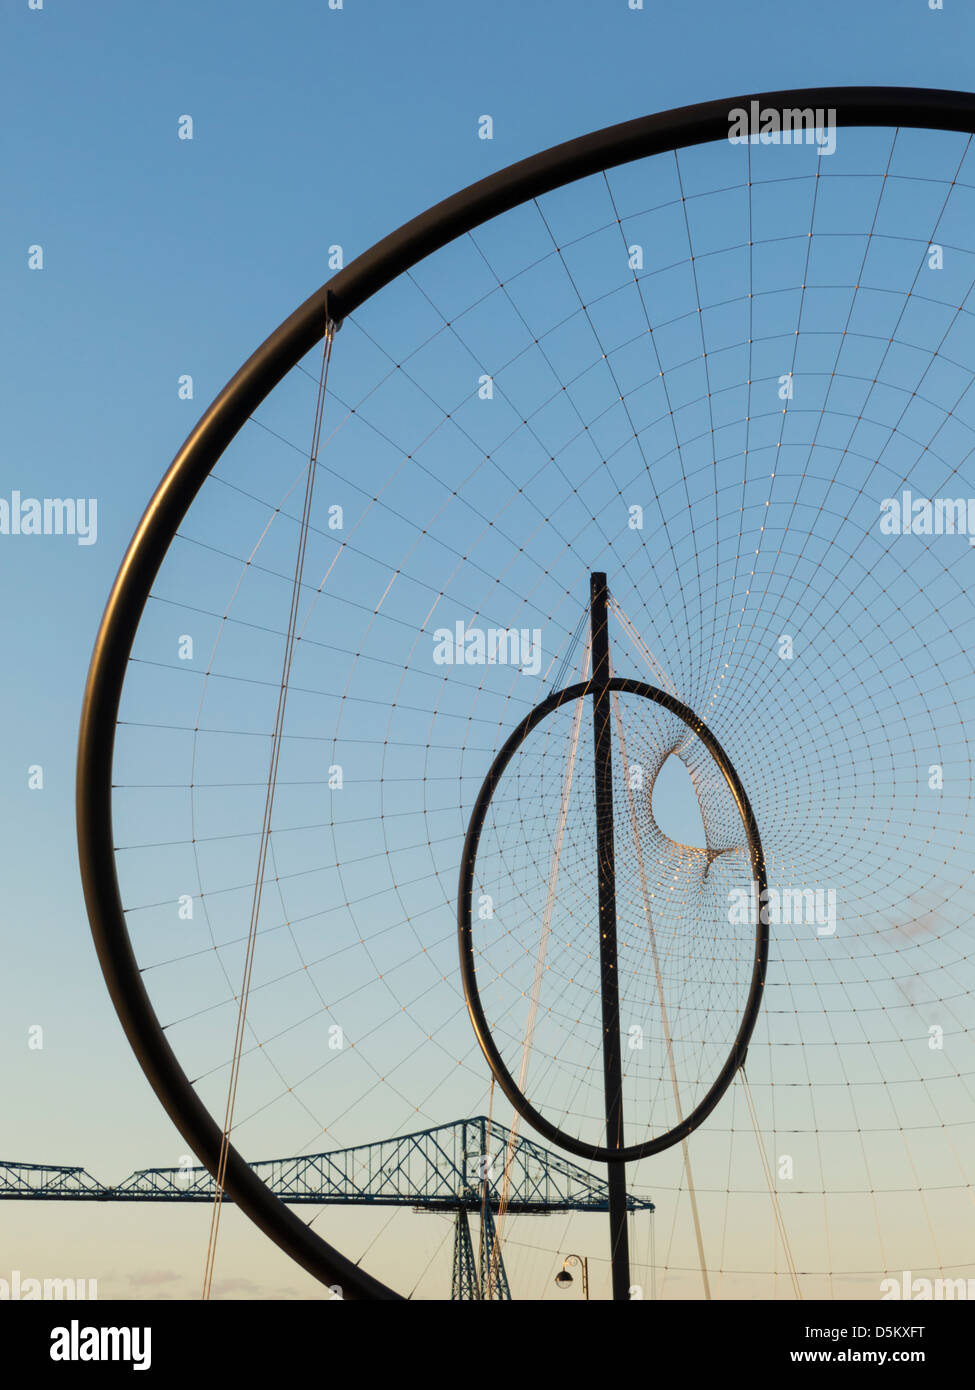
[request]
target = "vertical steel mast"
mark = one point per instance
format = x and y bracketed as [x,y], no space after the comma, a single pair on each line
[608,969]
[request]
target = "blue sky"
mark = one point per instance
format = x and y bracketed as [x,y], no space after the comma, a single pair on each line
[162,257]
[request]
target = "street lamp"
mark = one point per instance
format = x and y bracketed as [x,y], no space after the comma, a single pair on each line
[563,1279]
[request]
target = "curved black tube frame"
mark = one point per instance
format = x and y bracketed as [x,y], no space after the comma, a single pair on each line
[342,295]
[465,933]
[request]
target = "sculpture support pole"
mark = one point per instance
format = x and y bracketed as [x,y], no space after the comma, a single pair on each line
[608,969]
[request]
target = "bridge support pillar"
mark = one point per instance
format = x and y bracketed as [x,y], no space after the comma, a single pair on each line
[494,1279]
[463,1284]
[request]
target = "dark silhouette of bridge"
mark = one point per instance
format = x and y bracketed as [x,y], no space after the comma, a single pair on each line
[458,1167]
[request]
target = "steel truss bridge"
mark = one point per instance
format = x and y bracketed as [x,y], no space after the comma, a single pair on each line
[456,1168]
